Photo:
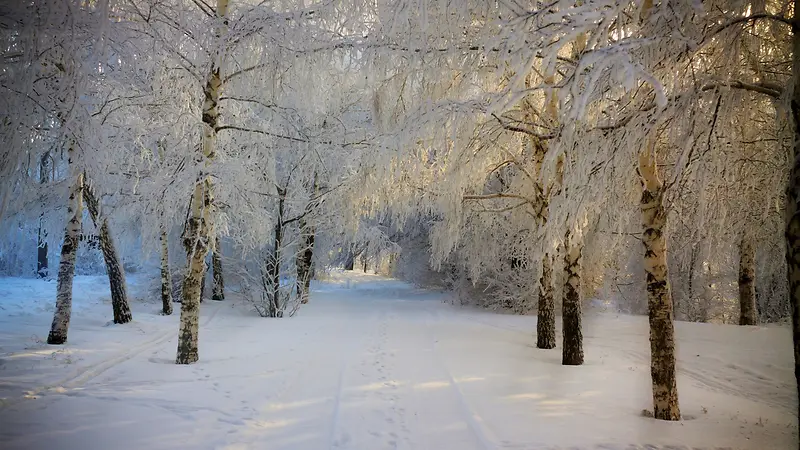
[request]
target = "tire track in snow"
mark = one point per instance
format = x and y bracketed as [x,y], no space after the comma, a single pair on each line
[92,371]
[475,422]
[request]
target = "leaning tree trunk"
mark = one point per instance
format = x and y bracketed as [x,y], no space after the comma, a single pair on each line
[166,278]
[546,315]
[305,259]
[216,262]
[572,353]
[66,267]
[659,296]
[793,200]
[200,224]
[116,275]
[748,314]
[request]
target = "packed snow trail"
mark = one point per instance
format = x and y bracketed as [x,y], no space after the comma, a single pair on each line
[373,364]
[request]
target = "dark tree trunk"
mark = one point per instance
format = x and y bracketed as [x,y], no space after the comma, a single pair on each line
[166,277]
[350,261]
[41,253]
[690,277]
[747,286]
[216,262]
[116,275]
[305,260]
[546,315]
[275,307]
[275,295]
[66,267]
[572,353]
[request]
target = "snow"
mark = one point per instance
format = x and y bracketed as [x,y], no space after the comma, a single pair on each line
[372,363]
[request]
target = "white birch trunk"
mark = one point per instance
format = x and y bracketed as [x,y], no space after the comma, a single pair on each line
[659,295]
[66,267]
[166,278]
[200,223]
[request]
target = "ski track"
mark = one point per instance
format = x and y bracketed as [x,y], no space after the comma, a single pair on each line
[483,435]
[705,379]
[335,415]
[92,371]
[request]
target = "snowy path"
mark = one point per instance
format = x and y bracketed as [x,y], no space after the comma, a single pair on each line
[374,364]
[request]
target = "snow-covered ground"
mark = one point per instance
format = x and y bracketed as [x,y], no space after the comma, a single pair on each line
[372,364]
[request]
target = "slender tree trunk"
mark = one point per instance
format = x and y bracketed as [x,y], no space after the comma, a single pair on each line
[41,247]
[116,275]
[659,296]
[66,267]
[793,200]
[690,280]
[276,309]
[305,259]
[219,282]
[41,253]
[200,224]
[365,261]
[572,353]
[350,261]
[747,285]
[166,277]
[546,315]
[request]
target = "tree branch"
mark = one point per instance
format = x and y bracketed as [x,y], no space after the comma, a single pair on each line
[497,195]
[750,18]
[250,130]
[522,129]
[770,89]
